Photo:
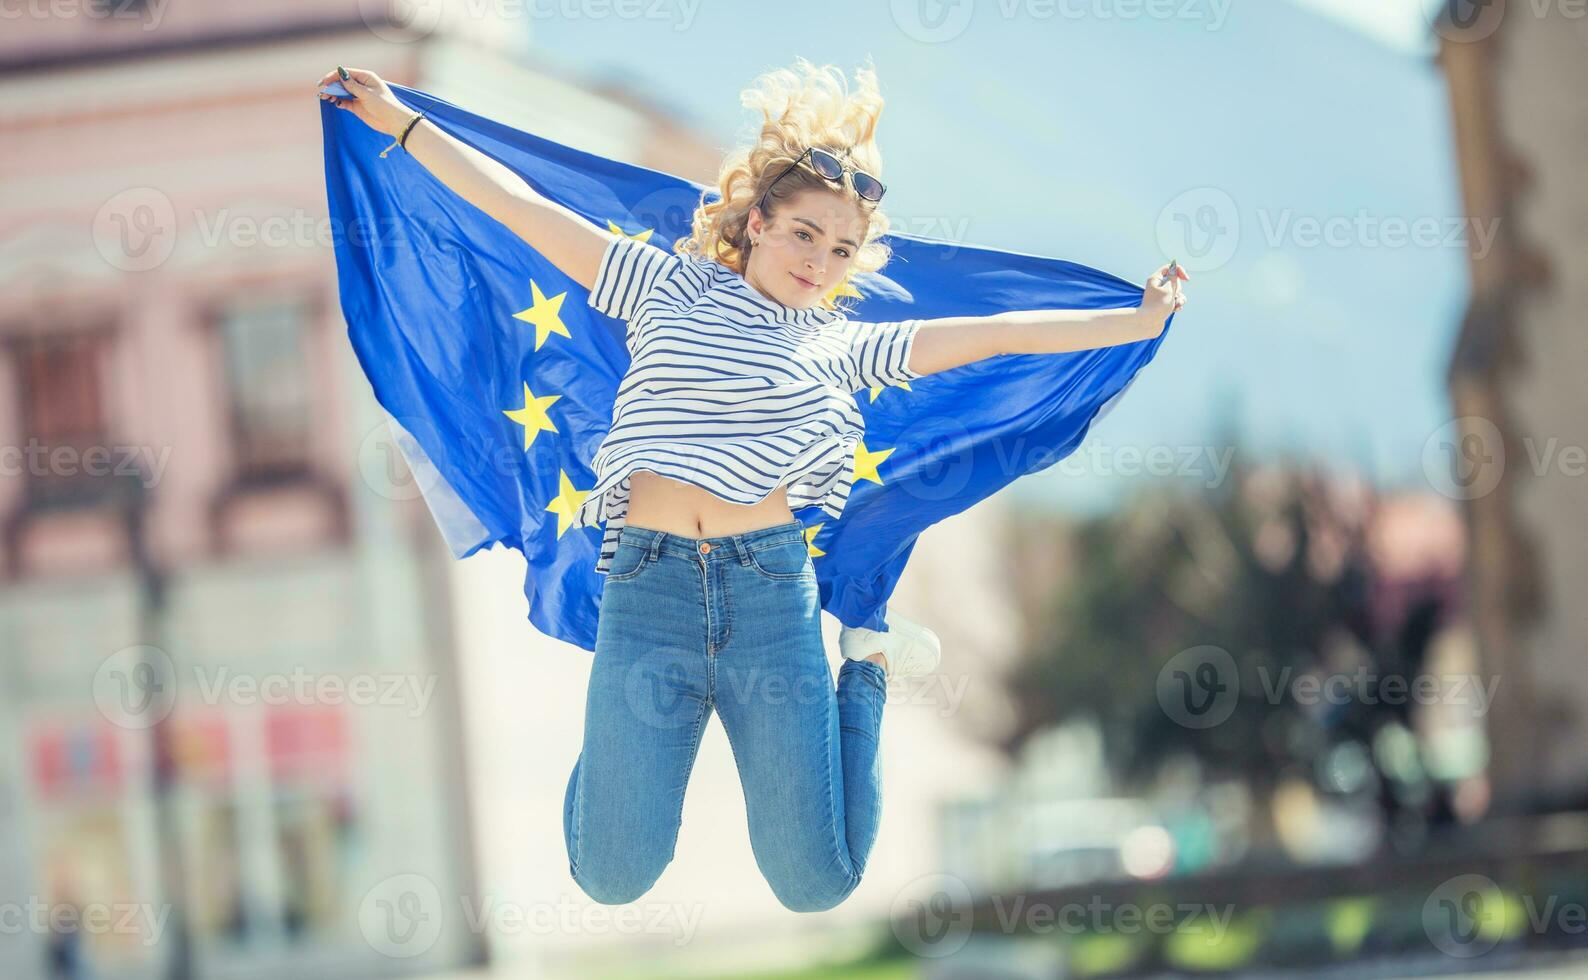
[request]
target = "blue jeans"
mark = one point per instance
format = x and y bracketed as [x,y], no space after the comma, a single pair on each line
[732,623]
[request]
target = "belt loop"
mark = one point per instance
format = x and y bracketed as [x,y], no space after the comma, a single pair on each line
[656,544]
[743,549]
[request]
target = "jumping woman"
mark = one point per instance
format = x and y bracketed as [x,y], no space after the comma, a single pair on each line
[736,409]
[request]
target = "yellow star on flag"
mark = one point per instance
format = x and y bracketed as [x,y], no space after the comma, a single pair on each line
[877,389]
[545,313]
[866,462]
[810,540]
[643,236]
[533,415]
[567,501]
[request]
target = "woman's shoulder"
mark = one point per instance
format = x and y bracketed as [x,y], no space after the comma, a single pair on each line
[686,271]
[714,277]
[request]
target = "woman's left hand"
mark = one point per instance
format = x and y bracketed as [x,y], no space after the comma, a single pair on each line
[1163,296]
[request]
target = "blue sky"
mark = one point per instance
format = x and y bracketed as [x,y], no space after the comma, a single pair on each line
[1088,131]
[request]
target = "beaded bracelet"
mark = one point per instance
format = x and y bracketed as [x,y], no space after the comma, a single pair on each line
[401,142]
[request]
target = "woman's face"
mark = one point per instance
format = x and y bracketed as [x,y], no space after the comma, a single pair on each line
[805,251]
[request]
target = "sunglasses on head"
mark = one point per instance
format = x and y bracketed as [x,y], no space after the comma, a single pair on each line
[868,187]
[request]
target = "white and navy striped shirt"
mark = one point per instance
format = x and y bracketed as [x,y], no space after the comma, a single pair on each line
[731,391]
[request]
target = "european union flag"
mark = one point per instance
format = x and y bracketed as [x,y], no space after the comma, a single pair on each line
[500,379]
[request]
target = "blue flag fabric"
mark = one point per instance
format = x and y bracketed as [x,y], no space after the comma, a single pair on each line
[500,379]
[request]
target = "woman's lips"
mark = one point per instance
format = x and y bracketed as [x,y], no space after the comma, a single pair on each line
[804,282]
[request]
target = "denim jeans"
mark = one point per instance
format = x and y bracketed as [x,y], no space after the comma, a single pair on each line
[730,623]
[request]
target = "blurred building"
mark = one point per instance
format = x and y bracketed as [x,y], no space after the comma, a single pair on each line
[229,698]
[1516,74]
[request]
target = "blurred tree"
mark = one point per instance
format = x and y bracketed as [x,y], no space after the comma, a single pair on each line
[1271,566]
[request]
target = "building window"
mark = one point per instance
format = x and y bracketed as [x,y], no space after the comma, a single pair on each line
[63,418]
[267,373]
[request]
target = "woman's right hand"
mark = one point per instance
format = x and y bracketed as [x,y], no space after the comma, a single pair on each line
[374,102]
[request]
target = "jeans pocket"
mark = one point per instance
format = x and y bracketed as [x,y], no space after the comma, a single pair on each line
[628,562]
[789,560]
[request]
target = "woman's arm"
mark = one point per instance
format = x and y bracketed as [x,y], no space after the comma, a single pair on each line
[569,242]
[947,342]
[566,240]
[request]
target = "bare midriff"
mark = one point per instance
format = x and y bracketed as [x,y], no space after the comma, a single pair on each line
[664,504]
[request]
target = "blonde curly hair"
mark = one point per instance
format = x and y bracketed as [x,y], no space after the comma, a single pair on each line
[806,106]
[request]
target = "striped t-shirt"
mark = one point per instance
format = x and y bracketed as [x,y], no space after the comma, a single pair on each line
[731,391]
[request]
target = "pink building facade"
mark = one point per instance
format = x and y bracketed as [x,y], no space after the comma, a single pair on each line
[228,691]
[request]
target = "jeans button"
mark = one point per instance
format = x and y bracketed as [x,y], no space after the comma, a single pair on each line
[705,547]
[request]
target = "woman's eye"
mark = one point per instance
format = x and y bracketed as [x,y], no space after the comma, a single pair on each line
[803,235]
[843,253]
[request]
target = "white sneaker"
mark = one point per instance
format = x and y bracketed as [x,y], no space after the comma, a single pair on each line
[909,647]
